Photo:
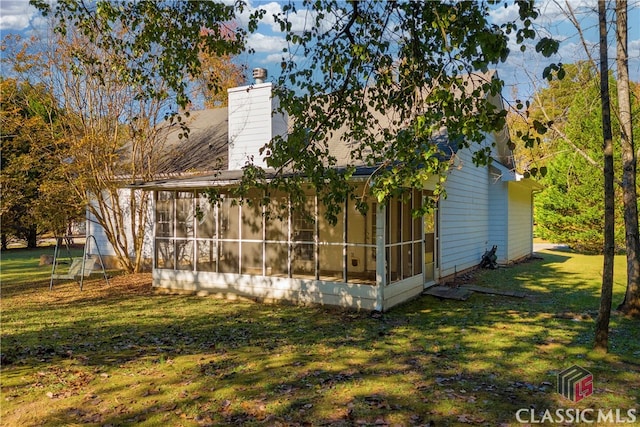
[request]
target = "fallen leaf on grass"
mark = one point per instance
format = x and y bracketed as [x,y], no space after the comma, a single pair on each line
[470,419]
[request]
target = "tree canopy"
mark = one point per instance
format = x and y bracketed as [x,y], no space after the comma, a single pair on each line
[421,66]
[35,197]
[571,151]
[353,61]
[118,69]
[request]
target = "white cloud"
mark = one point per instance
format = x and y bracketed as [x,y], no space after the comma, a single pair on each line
[272,58]
[16,14]
[634,49]
[501,14]
[276,58]
[551,12]
[302,19]
[270,9]
[262,43]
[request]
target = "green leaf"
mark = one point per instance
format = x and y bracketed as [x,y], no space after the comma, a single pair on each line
[547,46]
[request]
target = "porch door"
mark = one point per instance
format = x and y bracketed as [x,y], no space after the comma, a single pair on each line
[430,245]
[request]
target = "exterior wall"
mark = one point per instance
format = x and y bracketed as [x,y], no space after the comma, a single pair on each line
[251,123]
[350,295]
[498,216]
[95,229]
[464,216]
[105,248]
[520,221]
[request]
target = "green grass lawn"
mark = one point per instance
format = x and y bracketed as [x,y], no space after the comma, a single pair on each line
[125,355]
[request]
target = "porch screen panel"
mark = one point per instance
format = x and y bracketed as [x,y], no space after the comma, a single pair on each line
[403,238]
[393,240]
[206,229]
[417,232]
[229,243]
[184,214]
[276,222]
[252,258]
[331,247]
[407,237]
[229,212]
[361,264]
[229,257]
[429,223]
[165,253]
[205,218]
[251,225]
[184,254]
[303,240]
[207,255]
[185,230]
[164,242]
[252,217]
[277,259]
[164,214]
[394,257]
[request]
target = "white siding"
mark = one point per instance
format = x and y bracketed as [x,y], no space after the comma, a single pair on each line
[498,215]
[520,221]
[96,230]
[464,216]
[106,249]
[251,124]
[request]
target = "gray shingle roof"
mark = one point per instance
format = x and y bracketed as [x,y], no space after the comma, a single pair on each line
[203,151]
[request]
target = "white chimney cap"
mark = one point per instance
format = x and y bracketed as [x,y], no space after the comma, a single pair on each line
[260,74]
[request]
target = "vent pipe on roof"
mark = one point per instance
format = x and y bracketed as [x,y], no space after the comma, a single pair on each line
[260,75]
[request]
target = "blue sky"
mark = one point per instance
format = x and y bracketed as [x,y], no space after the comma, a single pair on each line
[522,72]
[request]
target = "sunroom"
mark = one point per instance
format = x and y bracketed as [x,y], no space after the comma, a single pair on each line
[235,247]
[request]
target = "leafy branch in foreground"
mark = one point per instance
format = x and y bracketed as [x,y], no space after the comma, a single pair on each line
[401,84]
[156,41]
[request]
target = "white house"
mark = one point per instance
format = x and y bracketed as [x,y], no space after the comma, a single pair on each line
[372,262]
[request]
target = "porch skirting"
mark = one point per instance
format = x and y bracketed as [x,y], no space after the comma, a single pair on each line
[303,291]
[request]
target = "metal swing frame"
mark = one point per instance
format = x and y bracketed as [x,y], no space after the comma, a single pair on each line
[77,263]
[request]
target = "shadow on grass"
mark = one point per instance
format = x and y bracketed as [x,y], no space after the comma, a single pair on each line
[125,355]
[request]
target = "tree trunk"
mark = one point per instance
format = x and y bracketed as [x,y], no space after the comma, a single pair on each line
[631,303]
[604,313]
[32,238]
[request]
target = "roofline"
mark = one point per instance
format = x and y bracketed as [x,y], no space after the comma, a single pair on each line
[362,174]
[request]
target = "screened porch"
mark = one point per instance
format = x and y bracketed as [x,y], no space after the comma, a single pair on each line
[279,246]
